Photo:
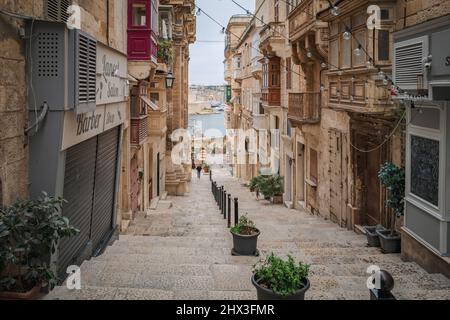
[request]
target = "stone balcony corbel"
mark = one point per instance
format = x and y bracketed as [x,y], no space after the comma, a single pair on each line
[299,54]
[322,34]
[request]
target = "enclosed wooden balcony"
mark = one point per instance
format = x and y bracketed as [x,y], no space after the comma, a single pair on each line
[271,97]
[139,130]
[304,108]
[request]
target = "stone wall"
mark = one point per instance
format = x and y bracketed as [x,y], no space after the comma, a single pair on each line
[13,108]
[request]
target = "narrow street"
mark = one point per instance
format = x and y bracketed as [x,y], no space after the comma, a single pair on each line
[181,250]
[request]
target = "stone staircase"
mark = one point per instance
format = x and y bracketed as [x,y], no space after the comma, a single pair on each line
[183,252]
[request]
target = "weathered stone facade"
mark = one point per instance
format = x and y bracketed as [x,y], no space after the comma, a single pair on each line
[13,97]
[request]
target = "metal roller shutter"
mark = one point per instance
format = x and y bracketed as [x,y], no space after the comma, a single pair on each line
[104,192]
[78,191]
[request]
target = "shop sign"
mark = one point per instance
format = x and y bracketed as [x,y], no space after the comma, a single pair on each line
[85,126]
[112,75]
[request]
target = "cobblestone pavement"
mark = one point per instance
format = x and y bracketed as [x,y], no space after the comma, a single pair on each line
[183,252]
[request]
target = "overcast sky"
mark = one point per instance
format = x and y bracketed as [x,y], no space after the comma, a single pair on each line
[206,66]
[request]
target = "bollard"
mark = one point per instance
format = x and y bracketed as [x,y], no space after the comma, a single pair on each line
[224,211]
[229,211]
[221,198]
[386,283]
[236,211]
[210,175]
[215,190]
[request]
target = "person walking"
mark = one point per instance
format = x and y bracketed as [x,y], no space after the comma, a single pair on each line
[199,171]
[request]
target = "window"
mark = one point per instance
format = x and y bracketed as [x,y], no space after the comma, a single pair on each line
[383,45]
[277,10]
[288,73]
[313,167]
[154,17]
[139,14]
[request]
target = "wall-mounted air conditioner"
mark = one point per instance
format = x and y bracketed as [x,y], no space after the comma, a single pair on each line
[410,65]
[61,67]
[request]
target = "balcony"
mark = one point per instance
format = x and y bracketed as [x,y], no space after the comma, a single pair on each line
[139,130]
[256,68]
[271,97]
[304,108]
[237,75]
[274,31]
[260,122]
[157,122]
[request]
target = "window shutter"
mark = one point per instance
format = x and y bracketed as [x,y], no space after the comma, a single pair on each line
[408,66]
[86,65]
[56,10]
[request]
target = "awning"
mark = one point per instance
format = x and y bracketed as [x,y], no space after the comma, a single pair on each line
[150,103]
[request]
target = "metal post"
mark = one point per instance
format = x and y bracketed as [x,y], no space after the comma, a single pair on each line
[236,211]
[221,198]
[224,211]
[210,174]
[229,211]
[386,284]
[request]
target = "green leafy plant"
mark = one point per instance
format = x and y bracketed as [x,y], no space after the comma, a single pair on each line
[284,277]
[165,51]
[393,179]
[245,226]
[29,233]
[254,184]
[271,186]
[206,166]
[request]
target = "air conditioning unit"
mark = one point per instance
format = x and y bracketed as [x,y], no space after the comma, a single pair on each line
[56,10]
[410,65]
[61,67]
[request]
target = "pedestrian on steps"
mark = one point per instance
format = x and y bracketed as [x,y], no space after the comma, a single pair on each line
[199,171]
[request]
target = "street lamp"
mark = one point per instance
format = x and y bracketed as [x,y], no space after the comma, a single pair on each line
[169,80]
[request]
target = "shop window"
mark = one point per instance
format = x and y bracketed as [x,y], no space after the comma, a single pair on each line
[313,166]
[425,169]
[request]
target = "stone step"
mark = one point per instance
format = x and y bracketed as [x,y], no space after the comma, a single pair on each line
[150,250]
[179,259]
[109,293]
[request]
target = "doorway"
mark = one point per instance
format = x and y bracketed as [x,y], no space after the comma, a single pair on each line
[300,174]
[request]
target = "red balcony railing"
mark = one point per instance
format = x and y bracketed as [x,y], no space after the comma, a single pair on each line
[304,107]
[139,130]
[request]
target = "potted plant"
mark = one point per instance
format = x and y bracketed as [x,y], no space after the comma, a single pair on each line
[254,184]
[373,240]
[393,179]
[206,168]
[245,237]
[278,279]
[29,233]
[272,188]
[165,51]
